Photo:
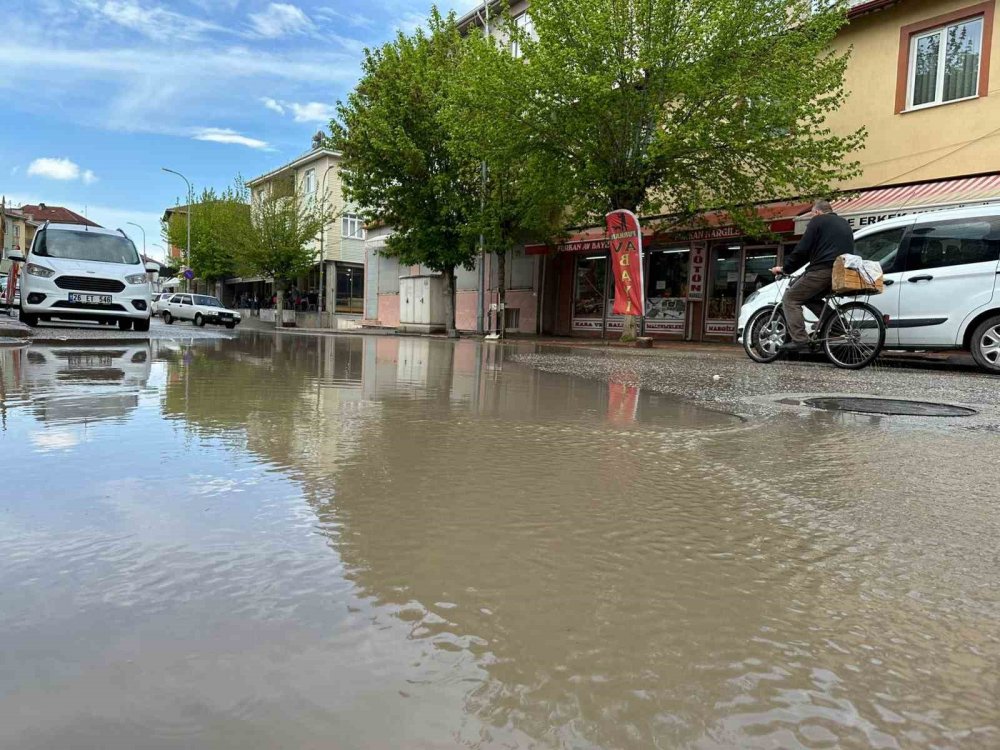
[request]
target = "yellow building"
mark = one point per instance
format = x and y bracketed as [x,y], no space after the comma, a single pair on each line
[923,82]
[340,250]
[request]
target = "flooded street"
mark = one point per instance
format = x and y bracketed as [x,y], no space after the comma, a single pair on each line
[380,542]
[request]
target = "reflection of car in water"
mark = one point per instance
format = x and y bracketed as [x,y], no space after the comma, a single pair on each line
[84,382]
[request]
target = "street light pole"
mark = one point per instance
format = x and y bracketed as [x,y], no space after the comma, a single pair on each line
[190,193]
[143,239]
[322,248]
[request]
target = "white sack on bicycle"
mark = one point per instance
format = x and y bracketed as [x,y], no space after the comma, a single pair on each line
[853,275]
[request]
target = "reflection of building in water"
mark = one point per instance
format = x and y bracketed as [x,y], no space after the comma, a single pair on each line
[79,382]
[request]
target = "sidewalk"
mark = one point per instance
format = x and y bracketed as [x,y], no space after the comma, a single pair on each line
[13,331]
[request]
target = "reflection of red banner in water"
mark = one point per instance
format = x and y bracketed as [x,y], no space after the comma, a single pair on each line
[626,262]
[623,403]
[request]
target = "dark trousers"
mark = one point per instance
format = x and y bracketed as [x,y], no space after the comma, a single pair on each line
[808,291]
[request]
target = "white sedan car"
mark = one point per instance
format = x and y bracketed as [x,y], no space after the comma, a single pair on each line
[199,309]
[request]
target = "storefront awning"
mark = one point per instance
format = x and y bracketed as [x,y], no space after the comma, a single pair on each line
[872,206]
[711,225]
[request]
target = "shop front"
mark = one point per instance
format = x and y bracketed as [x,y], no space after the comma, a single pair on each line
[695,281]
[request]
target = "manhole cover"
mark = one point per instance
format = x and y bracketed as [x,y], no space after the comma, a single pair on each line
[888,406]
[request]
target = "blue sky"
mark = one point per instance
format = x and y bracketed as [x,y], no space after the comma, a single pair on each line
[97,95]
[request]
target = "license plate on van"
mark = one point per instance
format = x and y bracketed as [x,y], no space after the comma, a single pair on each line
[90,299]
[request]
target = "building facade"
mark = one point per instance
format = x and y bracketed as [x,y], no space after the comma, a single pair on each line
[919,78]
[337,283]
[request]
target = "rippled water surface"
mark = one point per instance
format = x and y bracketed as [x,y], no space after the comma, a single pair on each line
[400,543]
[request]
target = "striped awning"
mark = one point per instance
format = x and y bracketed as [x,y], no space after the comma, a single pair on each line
[872,206]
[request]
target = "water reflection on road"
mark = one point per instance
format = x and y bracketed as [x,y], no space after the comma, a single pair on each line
[383,542]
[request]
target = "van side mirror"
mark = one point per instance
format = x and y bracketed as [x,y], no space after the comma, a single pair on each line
[15,256]
[152,268]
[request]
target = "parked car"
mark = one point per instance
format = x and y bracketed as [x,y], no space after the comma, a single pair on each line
[160,302]
[199,309]
[74,272]
[941,282]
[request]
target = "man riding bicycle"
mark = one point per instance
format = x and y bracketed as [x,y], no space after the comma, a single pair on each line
[827,237]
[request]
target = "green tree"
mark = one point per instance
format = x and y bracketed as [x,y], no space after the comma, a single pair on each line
[277,235]
[521,199]
[675,106]
[216,219]
[398,157]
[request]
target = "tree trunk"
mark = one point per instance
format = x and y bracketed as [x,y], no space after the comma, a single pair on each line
[501,292]
[279,303]
[452,302]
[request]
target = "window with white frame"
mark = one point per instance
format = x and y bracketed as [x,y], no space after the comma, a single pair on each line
[525,26]
[944,63]
[309,182]
[352,226]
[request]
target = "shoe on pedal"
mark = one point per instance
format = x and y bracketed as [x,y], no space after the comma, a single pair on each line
[794,346]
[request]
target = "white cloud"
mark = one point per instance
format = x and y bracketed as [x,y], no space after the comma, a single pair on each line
[273,104]
[311,112]
[60,169]
[226,135]
[151,21]
[281,19]
[302,112]
[353,19]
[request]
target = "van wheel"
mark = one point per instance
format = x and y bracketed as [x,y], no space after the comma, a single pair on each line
[142,325]
[124,325]
[167,317]
[199,320]
[986,344]
[29,319]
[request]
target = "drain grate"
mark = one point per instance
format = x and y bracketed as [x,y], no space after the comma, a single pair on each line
[888,406]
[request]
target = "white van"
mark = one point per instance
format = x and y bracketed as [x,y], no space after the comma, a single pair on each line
[941,277]
[76,272]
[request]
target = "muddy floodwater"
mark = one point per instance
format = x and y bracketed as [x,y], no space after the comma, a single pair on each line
[374,542]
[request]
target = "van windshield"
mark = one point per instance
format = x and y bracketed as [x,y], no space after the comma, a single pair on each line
[93,246]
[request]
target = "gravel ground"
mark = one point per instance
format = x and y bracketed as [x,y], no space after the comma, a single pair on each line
[753,391]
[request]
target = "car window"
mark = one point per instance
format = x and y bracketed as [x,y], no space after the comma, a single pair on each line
[881,246]
[954,243]
[185,300]
[175,300]
[207,301]
[92,246]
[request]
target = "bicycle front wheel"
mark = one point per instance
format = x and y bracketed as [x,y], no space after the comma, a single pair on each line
[853,335]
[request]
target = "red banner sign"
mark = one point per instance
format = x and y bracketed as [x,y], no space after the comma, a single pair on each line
[696,271]
[626,262]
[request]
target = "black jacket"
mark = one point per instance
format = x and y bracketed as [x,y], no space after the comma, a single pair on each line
[826,237]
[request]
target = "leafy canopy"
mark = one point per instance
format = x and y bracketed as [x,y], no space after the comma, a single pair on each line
[216,219]
[674,106]
[398,156]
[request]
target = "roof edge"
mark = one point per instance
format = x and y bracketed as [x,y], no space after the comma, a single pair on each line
[307,157]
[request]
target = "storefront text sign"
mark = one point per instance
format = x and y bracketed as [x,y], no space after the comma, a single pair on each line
[696,271]
[626,262]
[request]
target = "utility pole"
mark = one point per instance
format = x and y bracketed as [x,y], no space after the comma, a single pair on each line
[322,248]
[481,295]
[187,211]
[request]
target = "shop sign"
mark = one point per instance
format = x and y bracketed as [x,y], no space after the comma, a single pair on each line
[626,262]
[696,272]
[720,327]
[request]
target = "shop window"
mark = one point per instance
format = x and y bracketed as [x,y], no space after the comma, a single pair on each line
[588,299]
[666,287]
[945,59]
[350,289]
[724,283]
[757,269]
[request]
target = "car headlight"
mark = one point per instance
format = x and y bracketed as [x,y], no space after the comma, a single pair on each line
[33,269]
[137,278]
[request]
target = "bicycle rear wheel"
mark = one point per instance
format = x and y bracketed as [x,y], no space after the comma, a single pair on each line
[766,331]
[853,335]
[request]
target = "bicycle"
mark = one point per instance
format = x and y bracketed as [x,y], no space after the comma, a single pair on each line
[851,334]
